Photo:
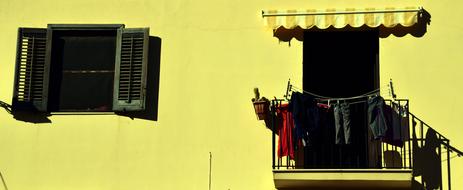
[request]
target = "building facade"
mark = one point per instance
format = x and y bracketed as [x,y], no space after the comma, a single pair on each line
[200,130]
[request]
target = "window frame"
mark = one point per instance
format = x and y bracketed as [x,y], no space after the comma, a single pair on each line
[23,63]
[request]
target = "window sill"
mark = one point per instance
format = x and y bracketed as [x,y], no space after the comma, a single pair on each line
[82,113]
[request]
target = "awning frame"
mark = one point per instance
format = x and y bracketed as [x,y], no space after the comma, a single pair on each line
[266,14]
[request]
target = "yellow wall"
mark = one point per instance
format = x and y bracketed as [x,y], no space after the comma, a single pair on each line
[213,53]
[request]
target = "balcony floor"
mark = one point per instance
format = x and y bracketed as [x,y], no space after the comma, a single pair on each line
[342,178]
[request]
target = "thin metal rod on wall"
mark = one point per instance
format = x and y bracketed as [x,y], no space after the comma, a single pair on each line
[210,170]
[448,165]
[273,132]
[266,14]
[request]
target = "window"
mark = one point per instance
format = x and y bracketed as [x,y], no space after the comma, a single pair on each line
[96,68]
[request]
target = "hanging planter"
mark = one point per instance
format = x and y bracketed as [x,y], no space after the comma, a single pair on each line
[261,108]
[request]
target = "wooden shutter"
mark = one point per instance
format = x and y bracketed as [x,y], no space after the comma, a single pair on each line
[130,70]
[31,74]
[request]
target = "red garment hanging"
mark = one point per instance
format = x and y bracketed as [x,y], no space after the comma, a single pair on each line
[285,132]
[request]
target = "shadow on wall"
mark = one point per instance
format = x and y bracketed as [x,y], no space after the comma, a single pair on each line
[427,163]
[152,93]
[3,181]
[28,116]
[32,117]
[152,83]
[417,30]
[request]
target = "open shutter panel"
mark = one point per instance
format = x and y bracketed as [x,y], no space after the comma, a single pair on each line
[31,75]
[130,70]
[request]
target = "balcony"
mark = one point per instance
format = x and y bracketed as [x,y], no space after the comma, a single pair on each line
[342,178]
[420,159]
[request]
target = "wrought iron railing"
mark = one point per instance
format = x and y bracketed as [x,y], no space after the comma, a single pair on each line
[432,155]
[421,149]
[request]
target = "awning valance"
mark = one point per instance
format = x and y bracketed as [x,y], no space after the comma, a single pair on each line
[372,17]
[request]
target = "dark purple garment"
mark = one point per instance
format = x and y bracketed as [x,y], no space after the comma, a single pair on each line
[394,132]
[306,117]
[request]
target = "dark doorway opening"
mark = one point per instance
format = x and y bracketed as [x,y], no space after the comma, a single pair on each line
[341,64]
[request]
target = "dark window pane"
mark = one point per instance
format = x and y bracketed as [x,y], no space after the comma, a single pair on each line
[92,91]
[82,70]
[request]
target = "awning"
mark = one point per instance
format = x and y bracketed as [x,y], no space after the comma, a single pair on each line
[337,18]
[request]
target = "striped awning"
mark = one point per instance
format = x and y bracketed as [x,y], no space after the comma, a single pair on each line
[340,18]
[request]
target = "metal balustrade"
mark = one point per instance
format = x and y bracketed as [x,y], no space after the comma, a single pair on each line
[421,149]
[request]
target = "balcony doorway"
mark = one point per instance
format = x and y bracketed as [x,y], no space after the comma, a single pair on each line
[341,64]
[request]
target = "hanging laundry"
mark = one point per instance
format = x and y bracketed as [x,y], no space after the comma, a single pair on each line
[386,122]
[405,127]
[398,132]
[343,123]
[404,121]
[306,117]
[376,117]
[323,106]
[285,132]
[393,133]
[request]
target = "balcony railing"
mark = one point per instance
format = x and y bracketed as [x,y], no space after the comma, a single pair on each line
[421,149]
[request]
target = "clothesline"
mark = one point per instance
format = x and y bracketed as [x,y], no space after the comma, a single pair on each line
[290,88]
[325,98]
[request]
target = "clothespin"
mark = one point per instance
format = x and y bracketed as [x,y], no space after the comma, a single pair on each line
[288,88]
[392,89]
[328,102]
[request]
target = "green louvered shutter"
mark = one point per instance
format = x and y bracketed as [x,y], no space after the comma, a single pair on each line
[32,68]
[130,70]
